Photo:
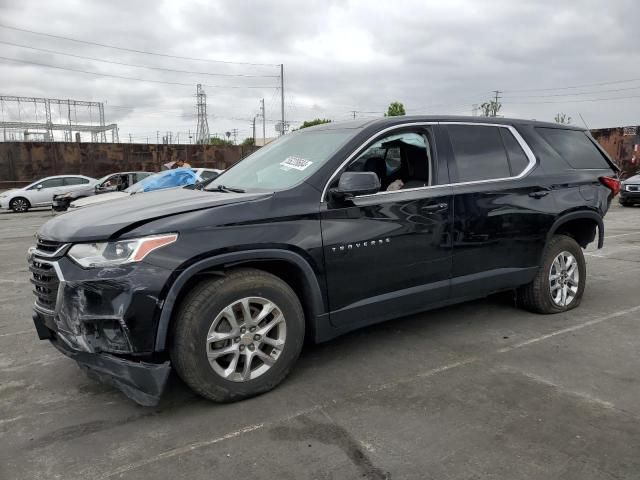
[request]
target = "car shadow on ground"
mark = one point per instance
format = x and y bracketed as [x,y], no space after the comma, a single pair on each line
[384,336]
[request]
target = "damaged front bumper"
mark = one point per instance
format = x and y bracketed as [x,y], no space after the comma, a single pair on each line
[142,382]
[105,319]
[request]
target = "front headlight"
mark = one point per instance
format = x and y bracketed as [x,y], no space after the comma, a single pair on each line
[107,254]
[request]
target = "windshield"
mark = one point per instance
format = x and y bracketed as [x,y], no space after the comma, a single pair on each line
[285,162]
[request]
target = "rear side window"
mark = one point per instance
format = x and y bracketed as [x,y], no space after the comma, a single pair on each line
[479,153]
[575,147]
[75,181]
[517,158]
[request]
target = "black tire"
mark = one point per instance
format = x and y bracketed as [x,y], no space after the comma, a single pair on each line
[19,205]
[624,203]
[188,346]
[536,296]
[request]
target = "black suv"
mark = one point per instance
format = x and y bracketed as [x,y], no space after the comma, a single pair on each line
[323,231]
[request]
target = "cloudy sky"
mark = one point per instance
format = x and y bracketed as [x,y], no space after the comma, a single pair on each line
[440,57]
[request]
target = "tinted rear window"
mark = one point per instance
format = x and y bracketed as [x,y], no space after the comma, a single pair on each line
[575,147]
[479,153]
[517,158]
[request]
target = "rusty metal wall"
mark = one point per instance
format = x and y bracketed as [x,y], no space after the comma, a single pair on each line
[623,146]
[24,162]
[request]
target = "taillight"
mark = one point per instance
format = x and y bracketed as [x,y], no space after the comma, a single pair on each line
[612,184]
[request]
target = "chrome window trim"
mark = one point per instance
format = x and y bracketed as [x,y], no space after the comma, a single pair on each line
[527,151]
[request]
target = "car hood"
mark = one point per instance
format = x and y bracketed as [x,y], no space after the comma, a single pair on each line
[634,179]
[100,223]
[103,197]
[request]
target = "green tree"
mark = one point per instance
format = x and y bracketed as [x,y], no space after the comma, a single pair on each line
[562,118]
[491,108]
[248,142]
[221,142]
[395,110]
[315,121]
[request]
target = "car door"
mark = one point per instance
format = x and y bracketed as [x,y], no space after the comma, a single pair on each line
[501,213]
[72,184]
[389,253]
[42,193]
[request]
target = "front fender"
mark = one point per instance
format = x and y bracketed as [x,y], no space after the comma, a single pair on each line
[317,304]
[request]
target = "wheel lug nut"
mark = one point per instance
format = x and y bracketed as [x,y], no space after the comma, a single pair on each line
[251,347]
[242,330]
[252,329]
[237,339]
[241,348]
[256,337]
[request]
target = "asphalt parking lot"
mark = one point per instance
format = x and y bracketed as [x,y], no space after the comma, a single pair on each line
[480,390]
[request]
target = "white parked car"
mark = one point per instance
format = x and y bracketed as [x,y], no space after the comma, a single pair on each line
[202,174]
[40,193]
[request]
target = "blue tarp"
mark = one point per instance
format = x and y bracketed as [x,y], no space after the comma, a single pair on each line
[178,177]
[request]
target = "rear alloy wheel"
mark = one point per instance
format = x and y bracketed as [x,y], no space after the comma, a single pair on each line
[19,205]
[564,279]
[559,283]
[237,335]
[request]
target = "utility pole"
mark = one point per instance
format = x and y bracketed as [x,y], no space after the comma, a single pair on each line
[264,123]
[129,138]
[497,98]
[281,96]
[254,130]
[234,132]
[354,113]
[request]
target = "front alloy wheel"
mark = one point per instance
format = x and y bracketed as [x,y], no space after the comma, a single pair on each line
[19,205]
[564,279]
[246,339]
[237,334]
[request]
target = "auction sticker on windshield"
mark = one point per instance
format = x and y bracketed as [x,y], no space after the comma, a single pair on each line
[297,163]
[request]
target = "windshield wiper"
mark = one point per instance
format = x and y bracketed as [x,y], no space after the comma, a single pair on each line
[222,188]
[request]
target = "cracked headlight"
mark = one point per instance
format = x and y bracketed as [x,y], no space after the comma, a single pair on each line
[107,254]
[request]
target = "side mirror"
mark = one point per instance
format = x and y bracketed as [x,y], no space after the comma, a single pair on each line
[39,187]
[352,184]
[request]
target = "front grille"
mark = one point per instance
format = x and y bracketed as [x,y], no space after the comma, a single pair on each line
[633,188]
[49,248]
[46,282]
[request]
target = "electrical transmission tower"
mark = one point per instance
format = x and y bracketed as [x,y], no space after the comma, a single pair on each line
[31,118]
[202,129]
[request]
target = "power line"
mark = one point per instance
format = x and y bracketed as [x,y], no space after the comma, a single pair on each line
[55,52]
[131,78]
[575,101]
[134,50]
[577,93]
[614,82]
